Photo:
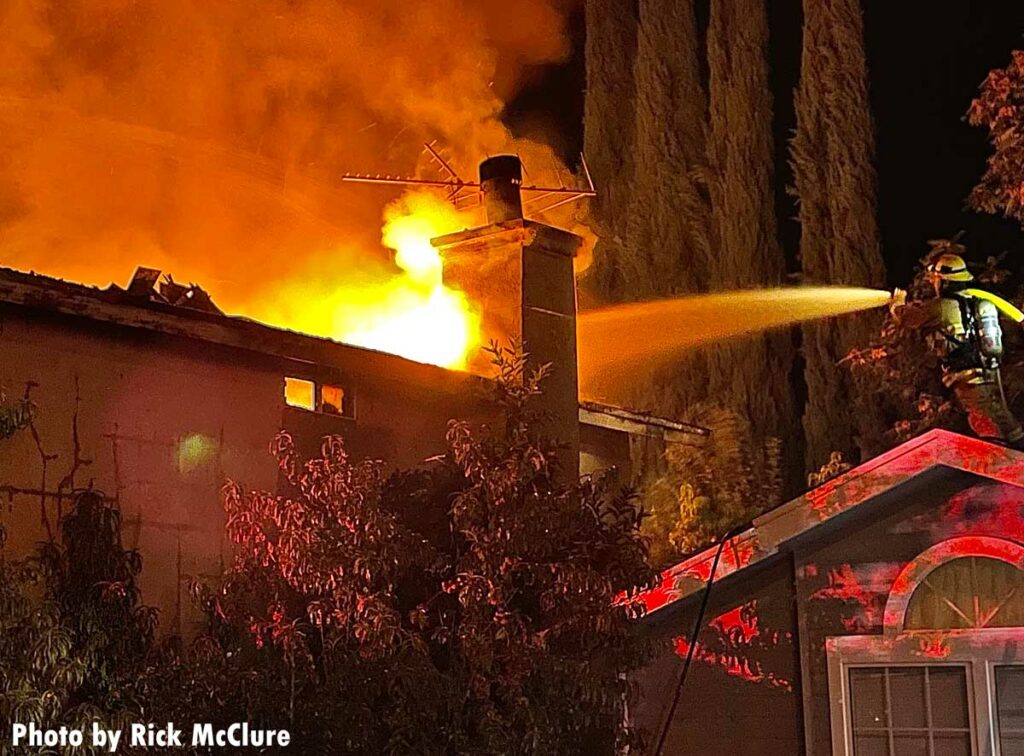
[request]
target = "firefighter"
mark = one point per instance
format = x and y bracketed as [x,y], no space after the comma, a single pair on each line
[964,325]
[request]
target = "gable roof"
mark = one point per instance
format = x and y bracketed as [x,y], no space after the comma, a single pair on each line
[772,532]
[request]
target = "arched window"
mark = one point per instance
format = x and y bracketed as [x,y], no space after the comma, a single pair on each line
[968,593]
[947,674]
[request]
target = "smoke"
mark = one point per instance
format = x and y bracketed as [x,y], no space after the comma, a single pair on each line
[208,138]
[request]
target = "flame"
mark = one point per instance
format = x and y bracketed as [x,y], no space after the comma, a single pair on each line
[420,318]
[206,139]
[410,312]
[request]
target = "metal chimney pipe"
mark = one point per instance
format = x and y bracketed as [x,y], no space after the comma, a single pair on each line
[500,179]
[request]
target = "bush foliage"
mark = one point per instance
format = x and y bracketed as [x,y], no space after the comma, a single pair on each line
[999,108]
[711,487]
[467,606]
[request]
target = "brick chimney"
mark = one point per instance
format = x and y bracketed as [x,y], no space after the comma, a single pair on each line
[521,272]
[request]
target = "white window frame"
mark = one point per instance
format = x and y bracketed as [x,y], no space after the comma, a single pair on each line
[979,651]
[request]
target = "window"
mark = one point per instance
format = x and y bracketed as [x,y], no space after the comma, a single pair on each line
[332,400]
[1010,709]
[300,393]
[971,592]
[946,675]
[326,398]
[910,711]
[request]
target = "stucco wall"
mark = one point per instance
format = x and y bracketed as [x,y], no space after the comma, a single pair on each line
[759,681]
[742,692]
[162,426]
[843,581]
[164,421]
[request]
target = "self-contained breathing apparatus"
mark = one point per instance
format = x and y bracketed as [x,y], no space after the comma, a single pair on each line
[971,325]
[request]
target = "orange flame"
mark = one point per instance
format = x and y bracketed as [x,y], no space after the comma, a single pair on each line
[206,139]
[419,317]
[412,313]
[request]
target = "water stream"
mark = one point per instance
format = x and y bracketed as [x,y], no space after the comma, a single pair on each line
[621,340]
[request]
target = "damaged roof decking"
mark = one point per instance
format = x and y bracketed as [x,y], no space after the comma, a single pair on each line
[116,306]
[121,308]
[774,532]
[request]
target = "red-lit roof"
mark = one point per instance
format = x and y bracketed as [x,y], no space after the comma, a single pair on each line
[770,532]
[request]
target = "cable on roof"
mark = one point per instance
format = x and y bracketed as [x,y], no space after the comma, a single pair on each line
[693,636]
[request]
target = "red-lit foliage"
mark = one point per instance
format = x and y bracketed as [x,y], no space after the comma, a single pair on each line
[466,607]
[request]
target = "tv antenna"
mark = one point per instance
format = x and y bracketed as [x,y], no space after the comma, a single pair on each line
[457,189]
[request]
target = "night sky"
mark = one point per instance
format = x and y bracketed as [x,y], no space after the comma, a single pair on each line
[925,61]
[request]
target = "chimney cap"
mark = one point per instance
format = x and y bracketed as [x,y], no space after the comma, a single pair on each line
[508,167]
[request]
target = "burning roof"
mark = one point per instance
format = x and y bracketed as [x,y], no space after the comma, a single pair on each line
[188,312]
[167,307]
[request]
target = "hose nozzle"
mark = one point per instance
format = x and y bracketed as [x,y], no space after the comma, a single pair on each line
[898,299]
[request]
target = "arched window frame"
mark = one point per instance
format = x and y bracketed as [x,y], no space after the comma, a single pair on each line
[979,651]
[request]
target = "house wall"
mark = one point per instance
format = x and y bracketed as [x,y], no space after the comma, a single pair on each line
[163,421]
[759,680]
[844,577]
[741,694]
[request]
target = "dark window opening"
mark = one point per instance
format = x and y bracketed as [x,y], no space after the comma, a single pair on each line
[1010,702]
[910,710]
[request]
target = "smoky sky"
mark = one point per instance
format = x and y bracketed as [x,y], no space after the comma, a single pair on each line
[208,138]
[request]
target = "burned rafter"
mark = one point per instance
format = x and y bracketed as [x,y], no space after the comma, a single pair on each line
[146,284]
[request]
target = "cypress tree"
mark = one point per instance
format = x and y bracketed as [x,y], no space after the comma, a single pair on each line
[611,29]
[751,376]
[668,246]
[698,170]
[667,226]
[835,185]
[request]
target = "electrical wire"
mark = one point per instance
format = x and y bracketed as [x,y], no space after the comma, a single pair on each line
[693,636]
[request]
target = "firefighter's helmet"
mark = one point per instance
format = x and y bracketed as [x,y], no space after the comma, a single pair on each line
[950,267]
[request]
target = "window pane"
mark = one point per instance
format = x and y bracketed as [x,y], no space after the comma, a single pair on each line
[299,393]
[948,687]
[911,745]
[1012,745]
[332,400]
[867,690]
[906,691]
[871,745]
[952,744]
[1010,699]
[971,592]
